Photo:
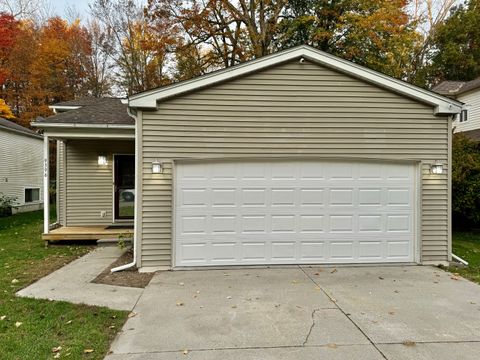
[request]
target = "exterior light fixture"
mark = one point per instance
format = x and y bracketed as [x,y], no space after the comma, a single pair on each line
[102,160]
[436,168]
[157,167]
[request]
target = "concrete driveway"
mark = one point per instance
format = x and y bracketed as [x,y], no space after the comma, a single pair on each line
[304,313]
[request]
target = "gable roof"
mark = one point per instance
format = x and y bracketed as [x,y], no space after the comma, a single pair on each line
[454,88]
[103,112]
[442,105]
[11,126]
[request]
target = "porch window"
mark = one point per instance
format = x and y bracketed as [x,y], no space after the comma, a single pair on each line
[32,194]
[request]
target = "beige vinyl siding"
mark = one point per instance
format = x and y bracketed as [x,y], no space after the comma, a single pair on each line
[472,101]
[291,110]
[61,201]
[89,186]
[21,165]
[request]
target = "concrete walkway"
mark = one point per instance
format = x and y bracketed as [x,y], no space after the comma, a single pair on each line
[72,283]
[370,313]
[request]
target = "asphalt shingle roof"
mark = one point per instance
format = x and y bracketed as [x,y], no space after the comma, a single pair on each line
[453,88]
[10,125]
[104,111]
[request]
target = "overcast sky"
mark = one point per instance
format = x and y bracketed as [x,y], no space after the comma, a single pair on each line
[60,6]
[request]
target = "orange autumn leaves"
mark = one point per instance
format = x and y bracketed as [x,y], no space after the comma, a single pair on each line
[40,65]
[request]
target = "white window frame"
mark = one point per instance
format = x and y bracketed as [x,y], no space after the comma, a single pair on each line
[463,116]
[33,187]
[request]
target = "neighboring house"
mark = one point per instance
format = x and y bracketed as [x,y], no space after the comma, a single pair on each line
[21,166]
[467,92]
[295,158]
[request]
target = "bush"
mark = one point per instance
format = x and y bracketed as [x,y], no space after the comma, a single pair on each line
[6,203]
[465,182]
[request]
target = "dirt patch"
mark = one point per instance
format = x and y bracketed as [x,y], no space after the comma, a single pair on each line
[129,277]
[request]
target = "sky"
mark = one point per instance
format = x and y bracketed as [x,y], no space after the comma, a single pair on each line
[59,6]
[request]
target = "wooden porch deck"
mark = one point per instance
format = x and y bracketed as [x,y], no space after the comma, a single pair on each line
[86,233]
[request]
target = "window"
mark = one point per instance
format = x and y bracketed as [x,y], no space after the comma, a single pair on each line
[32,195]
[463,116]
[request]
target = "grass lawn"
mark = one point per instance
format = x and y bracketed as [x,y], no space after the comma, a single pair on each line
[29,328]
[467,246]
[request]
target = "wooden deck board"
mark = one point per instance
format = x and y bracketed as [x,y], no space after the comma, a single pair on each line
[84,233]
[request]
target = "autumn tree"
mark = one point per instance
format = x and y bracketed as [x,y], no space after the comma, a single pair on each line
[139,54]
[374,33]
[5,111]
[456,46]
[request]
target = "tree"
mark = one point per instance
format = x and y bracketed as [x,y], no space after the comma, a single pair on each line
[456,52]
[139,55]
[5,111]
[218,33]
[374,33]
[465,181]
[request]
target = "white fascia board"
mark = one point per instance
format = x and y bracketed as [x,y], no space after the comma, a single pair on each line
[441,104]
[82,126]
[98,135]
[18,132]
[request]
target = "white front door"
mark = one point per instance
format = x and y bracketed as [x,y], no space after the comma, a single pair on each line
[293,212]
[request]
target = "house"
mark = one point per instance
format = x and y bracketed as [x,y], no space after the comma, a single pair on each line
[467,92]
[21,166]
[298,157]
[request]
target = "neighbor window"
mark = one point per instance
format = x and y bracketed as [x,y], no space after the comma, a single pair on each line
[32,194]
[464,116]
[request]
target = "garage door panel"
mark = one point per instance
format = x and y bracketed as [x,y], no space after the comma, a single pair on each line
[293,212]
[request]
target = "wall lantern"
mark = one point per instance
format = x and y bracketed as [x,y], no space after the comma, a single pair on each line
[436,168]
[102,160]
[157,167]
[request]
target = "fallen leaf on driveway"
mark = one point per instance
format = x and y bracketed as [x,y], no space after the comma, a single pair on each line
[132,314]
[409,343]
[294,282]
[316,273]
[234,306]
[88,351]
[229,297]
[391,312]
[332,346]
[56,349]
[179,303]
[454,277]
[317,288]
[18,324]
[381,278]
[181,284]
[185,352]
[333,271]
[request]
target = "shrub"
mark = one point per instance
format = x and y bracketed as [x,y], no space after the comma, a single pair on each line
[465,182]
[6,203]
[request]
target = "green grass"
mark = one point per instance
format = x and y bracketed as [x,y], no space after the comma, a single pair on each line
[467,246]
[45,324]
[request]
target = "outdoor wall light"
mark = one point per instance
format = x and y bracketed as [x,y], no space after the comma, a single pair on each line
[157,167]
[436,168]
[102,160]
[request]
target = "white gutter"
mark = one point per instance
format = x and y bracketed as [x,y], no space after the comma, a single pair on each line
[135,206]
[83,126]
[459,259]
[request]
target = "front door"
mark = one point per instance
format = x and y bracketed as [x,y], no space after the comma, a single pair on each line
[124,186]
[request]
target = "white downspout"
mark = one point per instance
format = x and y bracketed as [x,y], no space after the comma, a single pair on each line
[46,184]
[135,204]
[459,259]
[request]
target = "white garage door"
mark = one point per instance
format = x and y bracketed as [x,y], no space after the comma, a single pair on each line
[293,212]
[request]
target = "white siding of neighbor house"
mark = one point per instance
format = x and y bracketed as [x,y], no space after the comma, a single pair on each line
[88,186]
[293,111]
[472,101]
[21,166]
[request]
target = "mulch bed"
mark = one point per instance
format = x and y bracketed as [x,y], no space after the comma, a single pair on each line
[129,277]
